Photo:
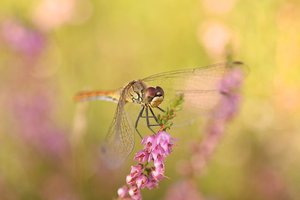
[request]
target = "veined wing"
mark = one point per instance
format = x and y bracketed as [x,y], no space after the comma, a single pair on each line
[119,140]
[200,86]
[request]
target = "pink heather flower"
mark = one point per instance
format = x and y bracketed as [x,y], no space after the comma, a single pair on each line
[149,142]
[158,173]
[156,148]
[136,170]
[152,182]
[141,156]
[135,193]
[141,181]
[156,154]
[123,191]
[159,162]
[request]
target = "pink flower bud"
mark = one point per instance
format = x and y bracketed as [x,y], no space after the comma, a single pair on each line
[141,181]
[123,191]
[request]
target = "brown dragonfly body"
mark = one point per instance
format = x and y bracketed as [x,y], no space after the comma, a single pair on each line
[199,86]
[136,92]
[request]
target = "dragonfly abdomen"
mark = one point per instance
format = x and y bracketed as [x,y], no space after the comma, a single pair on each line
[112,96]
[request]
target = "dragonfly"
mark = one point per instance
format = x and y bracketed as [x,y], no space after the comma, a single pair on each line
[199,86]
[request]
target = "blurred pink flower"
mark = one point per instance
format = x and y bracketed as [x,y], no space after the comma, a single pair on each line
[223,113]
[51,14]
[215,37]
[57,186]
[182,190]
[30,98]
[32,116]
[22,39]
[270,184]
[219,6]
[6,192]
[201,152]
[229,88]
[156,148]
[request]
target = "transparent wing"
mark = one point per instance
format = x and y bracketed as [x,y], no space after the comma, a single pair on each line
[119,140]
[200,86]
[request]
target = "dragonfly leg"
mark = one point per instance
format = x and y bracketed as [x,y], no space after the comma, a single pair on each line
[162,110]
[153,115]
[147,120]
[139,133]
[137,121]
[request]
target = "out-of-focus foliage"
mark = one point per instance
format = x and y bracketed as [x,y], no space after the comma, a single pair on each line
[50,49]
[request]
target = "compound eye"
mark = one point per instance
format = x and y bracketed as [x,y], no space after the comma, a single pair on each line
[150,92]
[159,91]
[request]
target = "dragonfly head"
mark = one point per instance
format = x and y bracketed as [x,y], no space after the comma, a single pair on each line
[154,96]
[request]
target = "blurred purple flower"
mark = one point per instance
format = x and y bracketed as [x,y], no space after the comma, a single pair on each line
[57,186]
[32,115]
[27,41]
[201,153]
[224,112]
[182,190]
[156,148]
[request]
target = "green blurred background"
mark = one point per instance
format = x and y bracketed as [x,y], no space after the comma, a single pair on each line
[51,49]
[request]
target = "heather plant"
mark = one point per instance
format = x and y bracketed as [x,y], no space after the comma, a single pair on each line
[150,169]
